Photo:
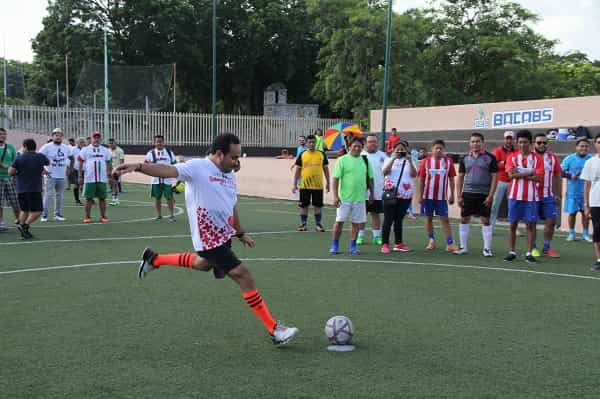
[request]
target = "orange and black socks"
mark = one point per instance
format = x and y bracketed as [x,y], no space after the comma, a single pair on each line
[260,309]
[184,259]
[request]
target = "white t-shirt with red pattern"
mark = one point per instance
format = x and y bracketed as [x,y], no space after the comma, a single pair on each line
[210,197]
[551,169]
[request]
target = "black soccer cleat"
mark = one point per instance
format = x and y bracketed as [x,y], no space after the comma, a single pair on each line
[596,266]
[530,259]
[510,257]
[146,264]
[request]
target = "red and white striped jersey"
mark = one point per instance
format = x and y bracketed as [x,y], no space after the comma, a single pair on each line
[522,189]
[436,173]
[551,169]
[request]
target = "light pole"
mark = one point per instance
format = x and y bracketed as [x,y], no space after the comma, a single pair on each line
[214,69]
[106,129]
[388,44]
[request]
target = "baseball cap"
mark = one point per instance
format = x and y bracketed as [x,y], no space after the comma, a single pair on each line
[509,133]
[57,130]
[94,134]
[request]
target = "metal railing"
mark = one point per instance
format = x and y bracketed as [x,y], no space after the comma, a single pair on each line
[139,127]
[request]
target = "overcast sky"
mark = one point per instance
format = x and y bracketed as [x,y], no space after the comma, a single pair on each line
[576,23]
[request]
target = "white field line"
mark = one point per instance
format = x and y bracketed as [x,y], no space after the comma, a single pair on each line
[442,265]
[259,233]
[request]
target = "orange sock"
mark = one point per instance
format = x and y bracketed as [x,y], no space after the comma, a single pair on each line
[185,259]
[260,309]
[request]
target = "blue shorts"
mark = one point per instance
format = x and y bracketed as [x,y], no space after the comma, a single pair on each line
[437,207]
[547,208]
[573,205]
[522,211]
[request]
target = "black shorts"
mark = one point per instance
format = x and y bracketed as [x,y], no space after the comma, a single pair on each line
[375,207]
[222,259]
[30,202]
[473,205]
[73,177]
[596,223]
[307,194]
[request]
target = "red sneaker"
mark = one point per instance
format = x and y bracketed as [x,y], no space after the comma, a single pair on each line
[87,220]
[104,220]
[401,247]
[385,249]
[552,253]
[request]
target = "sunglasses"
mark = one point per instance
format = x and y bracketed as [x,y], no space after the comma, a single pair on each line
[541,142]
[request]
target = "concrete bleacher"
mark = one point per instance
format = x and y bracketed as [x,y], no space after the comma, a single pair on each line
[457,140]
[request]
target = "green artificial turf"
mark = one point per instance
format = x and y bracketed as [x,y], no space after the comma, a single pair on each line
[427,324]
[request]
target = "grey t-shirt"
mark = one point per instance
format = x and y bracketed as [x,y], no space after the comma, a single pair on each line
[478,172]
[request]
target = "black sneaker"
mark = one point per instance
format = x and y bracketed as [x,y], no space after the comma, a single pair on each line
[26,229]
[596,266]
[510,257]
[22,231]
[530,259]
[302,227]
[320,228]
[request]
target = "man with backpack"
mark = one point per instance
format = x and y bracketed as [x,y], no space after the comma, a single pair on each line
[161,187]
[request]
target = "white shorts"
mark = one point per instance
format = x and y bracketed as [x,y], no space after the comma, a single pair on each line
[356,211]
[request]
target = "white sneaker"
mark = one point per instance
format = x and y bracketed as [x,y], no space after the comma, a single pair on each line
[282,334]
[44,219]
[3,226]
[59,218]
[146,264]
[487,253]
[461,251]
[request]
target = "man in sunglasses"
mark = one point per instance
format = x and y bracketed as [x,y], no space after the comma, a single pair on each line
[550,194]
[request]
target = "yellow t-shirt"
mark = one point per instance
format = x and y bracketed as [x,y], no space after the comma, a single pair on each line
[311,164]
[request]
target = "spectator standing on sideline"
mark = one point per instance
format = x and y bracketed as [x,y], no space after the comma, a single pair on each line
[591,176]
[477,180]
[57,153]
[436,176]
[74,169]
[525,169]
[375,208]
[8,192]
[501,154]
[161,187]
[352,176]
[118,158]
[550,194]
[301,146]
[95,159]
[571,167]
[310,167]
[29,168]
[399,173]
[320,146]
[71,147]
[391,141]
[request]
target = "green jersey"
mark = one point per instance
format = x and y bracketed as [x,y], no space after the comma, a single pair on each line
[118,156]
[352,174]
[8,154]
[319,143]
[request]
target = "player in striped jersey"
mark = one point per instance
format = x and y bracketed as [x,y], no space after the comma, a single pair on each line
[436,175]
[526,170]
[95,161]
[550,194]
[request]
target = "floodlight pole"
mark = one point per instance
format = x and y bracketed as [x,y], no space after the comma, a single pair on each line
[5,90]
[388,45]
[214,69]
[106,129]
[57,95]
[67,79]
[174,87]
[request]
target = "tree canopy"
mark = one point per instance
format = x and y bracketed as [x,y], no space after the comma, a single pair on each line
[325,51]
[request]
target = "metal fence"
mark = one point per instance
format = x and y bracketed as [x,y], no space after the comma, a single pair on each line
[139,127]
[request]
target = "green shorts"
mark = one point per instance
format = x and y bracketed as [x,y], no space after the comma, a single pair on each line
[94,190]
[161,190]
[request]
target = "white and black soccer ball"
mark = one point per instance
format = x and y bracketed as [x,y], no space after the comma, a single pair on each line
[339,330]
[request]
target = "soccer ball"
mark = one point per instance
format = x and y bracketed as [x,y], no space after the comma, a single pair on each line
[179,187]
[339,330]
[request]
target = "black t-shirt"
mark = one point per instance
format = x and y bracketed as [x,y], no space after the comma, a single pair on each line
[29,166]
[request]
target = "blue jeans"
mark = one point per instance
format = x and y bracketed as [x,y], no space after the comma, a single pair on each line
[54,191]
[499,195]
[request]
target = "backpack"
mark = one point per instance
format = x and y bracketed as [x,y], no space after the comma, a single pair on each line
[364,157]
[171,156]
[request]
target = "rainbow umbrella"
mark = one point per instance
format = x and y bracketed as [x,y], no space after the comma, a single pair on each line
[334,136]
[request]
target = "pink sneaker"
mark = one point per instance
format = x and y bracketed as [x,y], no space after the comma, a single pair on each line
[385,249]
[401,247]
[411,216]
[552,253]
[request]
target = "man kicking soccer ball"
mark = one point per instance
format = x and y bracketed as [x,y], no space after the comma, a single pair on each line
[210,197]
